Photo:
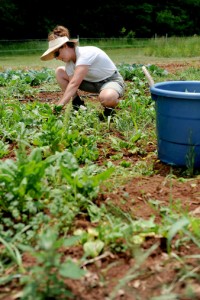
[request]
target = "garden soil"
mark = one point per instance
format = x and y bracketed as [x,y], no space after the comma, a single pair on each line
[124,276]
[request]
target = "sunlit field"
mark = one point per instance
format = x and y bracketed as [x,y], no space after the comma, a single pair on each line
[131,51]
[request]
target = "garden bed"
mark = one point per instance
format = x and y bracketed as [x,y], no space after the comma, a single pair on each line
[156,266]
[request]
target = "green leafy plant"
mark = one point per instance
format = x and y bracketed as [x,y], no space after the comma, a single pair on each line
[64,172]
[46,280]
[4,149]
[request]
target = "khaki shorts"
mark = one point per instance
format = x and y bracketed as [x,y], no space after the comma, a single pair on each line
[115,82]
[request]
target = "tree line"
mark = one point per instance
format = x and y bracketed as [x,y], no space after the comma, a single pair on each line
[23,19]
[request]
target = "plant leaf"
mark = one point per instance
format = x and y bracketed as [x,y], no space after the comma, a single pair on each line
[177,226]
[71,270]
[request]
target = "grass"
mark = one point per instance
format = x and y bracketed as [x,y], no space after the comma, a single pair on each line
[26,61]
[145,51]
[129,56]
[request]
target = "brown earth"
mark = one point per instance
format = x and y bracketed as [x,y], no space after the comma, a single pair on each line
[162,275]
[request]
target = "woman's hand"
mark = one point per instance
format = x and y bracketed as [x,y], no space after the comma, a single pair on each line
[57,109]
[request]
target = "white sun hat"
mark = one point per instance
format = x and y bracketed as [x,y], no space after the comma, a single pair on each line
[54,45]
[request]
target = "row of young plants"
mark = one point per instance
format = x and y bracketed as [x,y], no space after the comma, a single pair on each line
[50,176]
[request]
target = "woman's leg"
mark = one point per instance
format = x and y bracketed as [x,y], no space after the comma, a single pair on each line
[62,78]
[109,98]
[112,91]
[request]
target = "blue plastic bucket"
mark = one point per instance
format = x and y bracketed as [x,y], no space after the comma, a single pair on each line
[177,105]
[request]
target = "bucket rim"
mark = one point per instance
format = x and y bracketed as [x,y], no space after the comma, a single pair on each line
[156,89]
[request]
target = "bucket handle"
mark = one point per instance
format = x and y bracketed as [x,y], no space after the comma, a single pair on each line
[148,76]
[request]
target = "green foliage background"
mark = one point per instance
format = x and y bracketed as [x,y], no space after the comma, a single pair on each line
[22,19]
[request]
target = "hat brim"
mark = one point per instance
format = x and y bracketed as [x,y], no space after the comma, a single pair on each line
[49,54]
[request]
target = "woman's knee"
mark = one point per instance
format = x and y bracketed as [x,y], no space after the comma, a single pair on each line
[62,77]
[60,72]
[109,98]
